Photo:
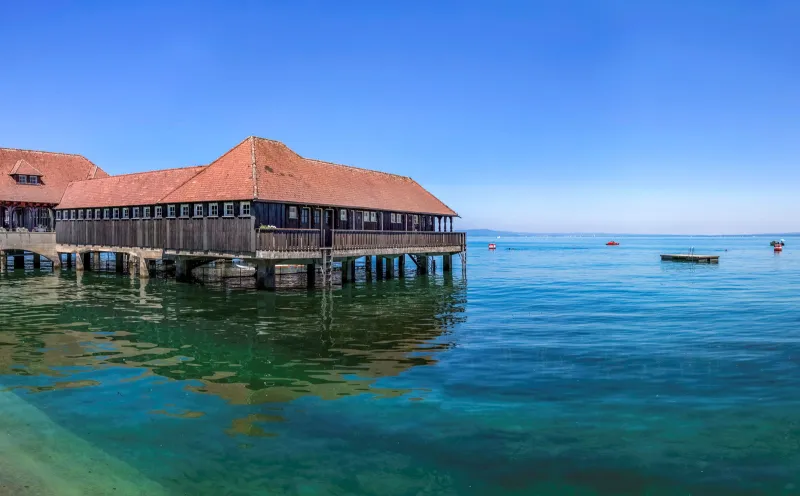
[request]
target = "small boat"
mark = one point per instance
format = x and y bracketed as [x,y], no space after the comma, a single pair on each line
[492,246]
[612,243]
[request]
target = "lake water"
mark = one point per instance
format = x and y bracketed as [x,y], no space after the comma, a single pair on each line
[560,366]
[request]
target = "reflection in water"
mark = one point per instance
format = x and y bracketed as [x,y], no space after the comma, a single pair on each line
[245,347]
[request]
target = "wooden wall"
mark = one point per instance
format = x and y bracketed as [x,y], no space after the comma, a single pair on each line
[225,235]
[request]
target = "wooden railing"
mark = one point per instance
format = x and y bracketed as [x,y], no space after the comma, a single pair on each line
[238,236]
[375,240]
[288,240]
[220,234]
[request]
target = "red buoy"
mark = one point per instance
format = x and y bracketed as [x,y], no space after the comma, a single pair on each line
[612,243]
[492,246]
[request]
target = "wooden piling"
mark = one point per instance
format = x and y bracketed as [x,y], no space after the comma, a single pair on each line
[37,261]
[447,262]
[401,266]
[379,267]
[311,276]
[265,275]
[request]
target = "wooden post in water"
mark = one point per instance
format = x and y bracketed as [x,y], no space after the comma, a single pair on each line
[69,260]
[119,263]
[379,266]
[401,266]
[96,260]
[447,262]
[3,261]
[345,271]
[37,261]
[368,266]
[85,261]
[19,261]
[79,260]
[352,264]
[311,275]
[389,268]
[265,275]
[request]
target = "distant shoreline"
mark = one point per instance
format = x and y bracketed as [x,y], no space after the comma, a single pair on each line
[513,234]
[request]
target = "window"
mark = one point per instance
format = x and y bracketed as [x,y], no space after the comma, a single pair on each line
[58,214]
[88,214]
[416,219]
[80,214]
[316,217]
[343,215]
[244,209]
[394,219]
[146,213]
[96,213]
[373,217]
[198,210]
[105,213]
[33,179]
[126,213]
[213,210]
[185,210]
[159,212]
[22,179]
[171,211]
[116,213]
[228,212]
[135,212]
[292,212]
[304,216]
[72,215]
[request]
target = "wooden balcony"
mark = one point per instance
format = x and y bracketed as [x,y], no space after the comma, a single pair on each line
[396,242]
[237,237]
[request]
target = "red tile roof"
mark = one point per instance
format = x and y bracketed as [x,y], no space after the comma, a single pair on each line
[263,169]
[142,188]
[57,170]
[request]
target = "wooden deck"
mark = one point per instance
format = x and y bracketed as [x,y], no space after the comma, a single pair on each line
[708,259]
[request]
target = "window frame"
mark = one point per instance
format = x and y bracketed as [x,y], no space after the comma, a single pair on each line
[106,213]
[115,213]
[292,212]
[213,209]
[126,213]
[305,211]
[58,215]
[158,213]
[202,210]
[97,214]
[81,212]
[171,211]
[188,211]
[135,213]
[89,214]
[343,215]
[145,212]
[22,179]
[33,179]
[225,209]
[242,206]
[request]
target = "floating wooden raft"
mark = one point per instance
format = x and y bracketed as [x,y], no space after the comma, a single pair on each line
[710,259]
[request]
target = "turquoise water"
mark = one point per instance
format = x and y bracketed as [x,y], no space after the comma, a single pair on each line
[560,366]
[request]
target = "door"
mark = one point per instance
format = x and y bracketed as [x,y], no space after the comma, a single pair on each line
[327,228]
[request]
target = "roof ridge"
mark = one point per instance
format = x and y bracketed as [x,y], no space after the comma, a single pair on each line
[43,151]
[363,169]
[148,172]
[255,169]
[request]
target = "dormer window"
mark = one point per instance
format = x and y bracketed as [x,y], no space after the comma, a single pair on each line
[22,179]
[33,179]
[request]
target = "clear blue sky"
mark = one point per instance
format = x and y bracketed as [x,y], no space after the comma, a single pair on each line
[616,116]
